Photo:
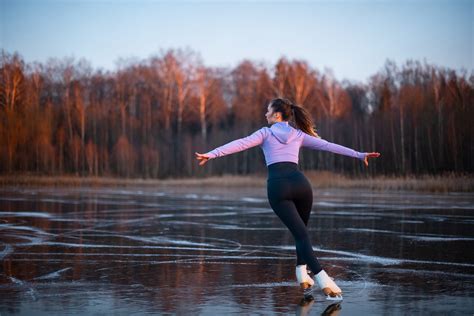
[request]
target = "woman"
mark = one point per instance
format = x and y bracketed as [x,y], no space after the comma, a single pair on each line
[289,192]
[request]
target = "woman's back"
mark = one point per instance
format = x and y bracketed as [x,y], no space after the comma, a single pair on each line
[282,143]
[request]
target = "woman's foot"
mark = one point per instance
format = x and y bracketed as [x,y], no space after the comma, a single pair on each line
[304,280]
[330,289]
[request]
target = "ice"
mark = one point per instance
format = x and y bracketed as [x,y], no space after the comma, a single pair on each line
[177,250]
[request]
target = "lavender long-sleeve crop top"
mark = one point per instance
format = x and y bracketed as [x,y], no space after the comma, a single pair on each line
[281,142]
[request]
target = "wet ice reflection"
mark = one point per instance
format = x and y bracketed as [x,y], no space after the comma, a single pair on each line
[201,251]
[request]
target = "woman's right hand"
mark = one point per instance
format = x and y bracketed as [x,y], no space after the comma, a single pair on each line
[370,155]
[202,157]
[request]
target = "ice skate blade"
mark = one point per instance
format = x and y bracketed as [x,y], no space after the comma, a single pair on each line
[308,291]
[334,298]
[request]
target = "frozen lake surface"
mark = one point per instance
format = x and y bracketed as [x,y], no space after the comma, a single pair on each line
[208,251]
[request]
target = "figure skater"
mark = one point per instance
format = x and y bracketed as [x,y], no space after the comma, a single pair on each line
[289,192]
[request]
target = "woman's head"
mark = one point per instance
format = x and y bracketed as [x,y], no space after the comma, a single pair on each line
[281,109]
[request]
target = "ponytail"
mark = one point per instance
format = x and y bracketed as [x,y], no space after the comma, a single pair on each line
[303,120]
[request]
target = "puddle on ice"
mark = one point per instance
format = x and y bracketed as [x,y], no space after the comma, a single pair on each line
[80,251]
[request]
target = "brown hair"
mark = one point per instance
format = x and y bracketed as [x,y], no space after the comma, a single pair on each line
[301,116]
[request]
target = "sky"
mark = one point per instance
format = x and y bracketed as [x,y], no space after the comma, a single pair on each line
[353,38]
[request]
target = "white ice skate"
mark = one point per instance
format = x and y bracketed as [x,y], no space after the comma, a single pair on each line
[304,280]
[328,286]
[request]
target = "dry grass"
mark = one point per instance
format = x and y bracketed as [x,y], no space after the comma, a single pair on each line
[430,183]
[318,179]
[226,180]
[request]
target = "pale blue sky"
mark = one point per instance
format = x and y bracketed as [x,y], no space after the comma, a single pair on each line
[353,38]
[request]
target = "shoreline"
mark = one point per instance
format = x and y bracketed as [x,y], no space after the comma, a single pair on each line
[318,179]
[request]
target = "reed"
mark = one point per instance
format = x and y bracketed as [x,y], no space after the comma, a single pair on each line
[319,179]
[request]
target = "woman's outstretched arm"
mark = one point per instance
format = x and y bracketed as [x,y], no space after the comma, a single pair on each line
[255,139]
[321,144]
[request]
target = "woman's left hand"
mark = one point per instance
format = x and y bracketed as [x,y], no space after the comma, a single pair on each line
[370,155]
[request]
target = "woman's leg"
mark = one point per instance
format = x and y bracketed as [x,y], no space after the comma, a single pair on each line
[286,210]
[304,212]
[303,198]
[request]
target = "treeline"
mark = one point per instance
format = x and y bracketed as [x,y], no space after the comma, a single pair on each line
[148,117]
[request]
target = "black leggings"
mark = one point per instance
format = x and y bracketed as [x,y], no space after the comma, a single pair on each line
[291,198]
